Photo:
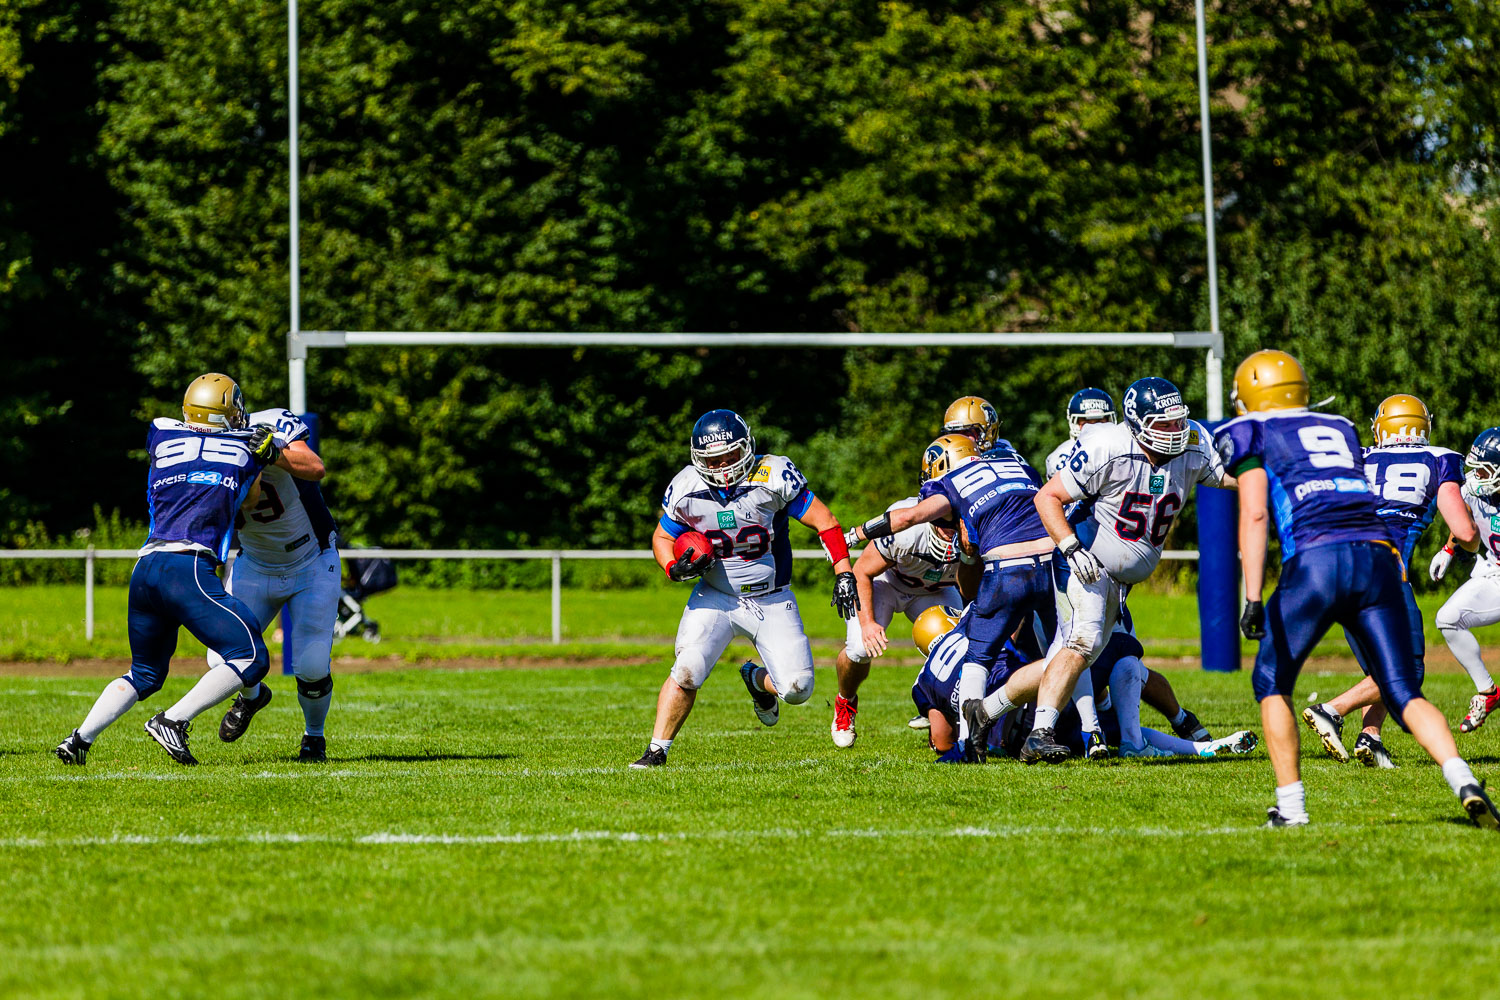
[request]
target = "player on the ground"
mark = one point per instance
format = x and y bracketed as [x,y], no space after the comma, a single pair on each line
[741,501]
[290,557]
[998,524]
[1086,407]
[909,571]
[203,469]
[1138,475]
[1411,481]
[1338,566]
[1477,601]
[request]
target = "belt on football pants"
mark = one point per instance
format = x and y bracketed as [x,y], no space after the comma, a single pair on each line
[1033,560]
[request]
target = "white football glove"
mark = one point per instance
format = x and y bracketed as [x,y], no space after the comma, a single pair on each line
[1083,563]
[1440,563]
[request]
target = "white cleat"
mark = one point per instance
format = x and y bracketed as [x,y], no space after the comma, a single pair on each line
[918,722]
[1241,742]
[1275,820]
[842,729]
[1330,729]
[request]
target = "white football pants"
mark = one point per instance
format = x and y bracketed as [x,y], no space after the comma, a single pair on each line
[312,590]
[772,622]
[1475,603]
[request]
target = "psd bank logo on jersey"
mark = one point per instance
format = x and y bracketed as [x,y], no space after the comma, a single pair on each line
[1158,485]
[726,519]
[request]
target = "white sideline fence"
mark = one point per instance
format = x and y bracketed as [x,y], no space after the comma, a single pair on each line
[92,555]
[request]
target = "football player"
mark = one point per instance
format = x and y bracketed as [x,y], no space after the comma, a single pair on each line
[1085,408]
[977,420]
[1138,475]
[203,470]
[741,500]
[1338,566]
[909,572]
[1411,481]
[290,558]
[1477,601]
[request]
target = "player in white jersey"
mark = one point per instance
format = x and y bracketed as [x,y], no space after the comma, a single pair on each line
[910,571]
[1086,408]
[1138,475]
[289,557]
[742,501]
[1477,601]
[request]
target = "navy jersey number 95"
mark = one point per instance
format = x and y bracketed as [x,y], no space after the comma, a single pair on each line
[196,483]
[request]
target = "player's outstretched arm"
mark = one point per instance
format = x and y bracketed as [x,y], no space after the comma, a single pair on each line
[934,508]
[1461,528]
[300,460]
[1255,519]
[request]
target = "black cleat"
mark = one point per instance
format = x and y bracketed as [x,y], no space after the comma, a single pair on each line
[1095,749]
[73,750]
[1191,729]
[1330,729]
[314,750]
[979,728]
[1042,745]
[1371,752]
[767,708]
[653,757]
[173,737]
[237,719]
[1479,807]
[1275,820]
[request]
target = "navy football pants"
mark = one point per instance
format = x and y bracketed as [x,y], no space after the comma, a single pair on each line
[1354,584]
[1009,596]
[1414,626]
[172,589]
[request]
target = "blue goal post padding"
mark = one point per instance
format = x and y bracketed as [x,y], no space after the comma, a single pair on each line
[1219,577]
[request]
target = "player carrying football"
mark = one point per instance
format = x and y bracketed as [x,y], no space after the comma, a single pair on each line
[741,501]
[1338,566]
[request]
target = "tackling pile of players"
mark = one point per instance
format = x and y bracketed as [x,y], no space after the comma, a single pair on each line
[1016,585]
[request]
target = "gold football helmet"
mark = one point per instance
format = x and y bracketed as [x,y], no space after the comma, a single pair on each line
[215,401]
[974,418]
[1269,380]
[932,624]
[1401,419]
[946,454]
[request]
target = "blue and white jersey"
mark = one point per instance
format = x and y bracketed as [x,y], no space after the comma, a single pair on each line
[1315,468]
[936,685]
[995,497]
[746,523]
[1405,479]
[291,523]
[1486,514]
[195,485]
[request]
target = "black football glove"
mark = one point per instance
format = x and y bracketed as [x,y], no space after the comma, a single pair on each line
[845,595]
[262,443]
[690,566]
[1253,621]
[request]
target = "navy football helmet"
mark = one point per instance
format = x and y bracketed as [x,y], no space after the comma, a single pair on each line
[1483,463]
[723,448]
[1089,406]
[1157,416]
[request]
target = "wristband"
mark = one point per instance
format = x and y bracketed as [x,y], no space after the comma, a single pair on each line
[1448,548]
[965,558]
[833,543]
[878,527]
[1069,545]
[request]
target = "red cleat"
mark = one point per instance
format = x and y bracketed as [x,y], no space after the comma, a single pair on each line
[844,712]
[1480,708]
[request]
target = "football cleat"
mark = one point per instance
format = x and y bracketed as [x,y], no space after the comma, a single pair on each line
[767,708]
[842,729]
[919,722]
[237,719]
[1191,729]
[314,750]
[1480,707]
[1241,742]
[979,723]
[1095,749]
[1479,807]
[1042,746]
[1370,752]
[73,750]
[1146,750]
[1329,726]
[653,757]
[1275,820]
[173,737]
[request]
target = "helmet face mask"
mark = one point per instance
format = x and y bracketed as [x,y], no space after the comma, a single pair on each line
[722,448]
[1401,419]
[943,549]
[1157,416]
[214,402]
[1089,406]
[1482,464]
[975,419]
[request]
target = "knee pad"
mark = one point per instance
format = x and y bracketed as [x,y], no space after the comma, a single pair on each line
[144,686]
[320,688]
[856,652]
[1087,642]
[690,670]
[798,690]
[1448,621]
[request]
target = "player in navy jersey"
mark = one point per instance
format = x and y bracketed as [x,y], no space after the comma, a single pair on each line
[1339,565]
[1412,481]
[203,470]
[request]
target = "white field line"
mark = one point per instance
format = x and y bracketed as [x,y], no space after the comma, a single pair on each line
[389,839]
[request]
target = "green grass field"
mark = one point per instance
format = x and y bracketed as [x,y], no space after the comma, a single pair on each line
[476,834]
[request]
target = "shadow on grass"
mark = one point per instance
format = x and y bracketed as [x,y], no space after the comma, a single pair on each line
[417,758]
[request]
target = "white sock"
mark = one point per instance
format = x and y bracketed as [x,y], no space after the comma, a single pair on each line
[1466,650]
[1083,700]
[1329,709]
[1126,679]
[1458,774]
[314,712]
[217,685]
[117,698]
[970,687]
[1169,743]
[252,693]
[996,703]
[1046,718]
[1181,715]
[1291,800]
[662,745]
